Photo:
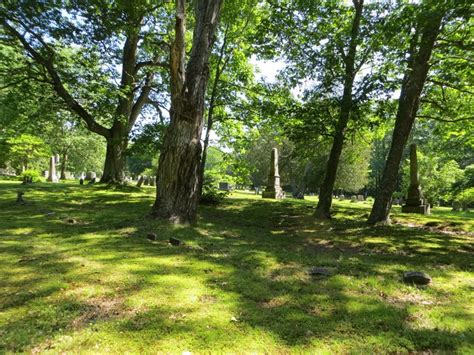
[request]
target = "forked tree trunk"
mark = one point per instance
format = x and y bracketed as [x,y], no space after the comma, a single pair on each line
[323,209]
[413,82]
[178,177]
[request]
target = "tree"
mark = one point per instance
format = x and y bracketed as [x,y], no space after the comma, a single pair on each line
[25,149]
[349,59]
[78,55]
[339,60]
[177,192]
[429,22]
[230,68]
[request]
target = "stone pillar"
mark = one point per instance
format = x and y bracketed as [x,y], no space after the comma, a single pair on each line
[415,202]
[52,177]
[273,189]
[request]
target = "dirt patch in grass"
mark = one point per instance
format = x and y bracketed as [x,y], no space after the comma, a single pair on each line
[99,308]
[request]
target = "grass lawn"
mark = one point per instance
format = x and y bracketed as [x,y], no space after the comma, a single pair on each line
[77,274]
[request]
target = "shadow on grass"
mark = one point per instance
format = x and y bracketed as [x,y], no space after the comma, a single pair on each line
[246,258]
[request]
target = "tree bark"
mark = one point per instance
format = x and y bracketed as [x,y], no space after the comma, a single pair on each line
[63,167]
[178,176]
[115,160]
[413,82]
[323,209]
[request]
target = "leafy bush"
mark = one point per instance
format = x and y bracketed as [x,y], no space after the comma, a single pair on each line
[466,197]
[211,195]
[32,174]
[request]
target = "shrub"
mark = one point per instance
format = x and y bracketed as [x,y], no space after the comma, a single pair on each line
[211,195]
[466,197]
[32,174]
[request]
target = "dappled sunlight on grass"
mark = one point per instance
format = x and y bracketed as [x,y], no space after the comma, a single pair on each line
[80,275]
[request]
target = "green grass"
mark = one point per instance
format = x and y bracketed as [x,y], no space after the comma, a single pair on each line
[77,274]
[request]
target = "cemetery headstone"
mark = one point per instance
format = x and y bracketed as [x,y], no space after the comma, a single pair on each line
[224,186]
[52,177]
[146,181]
[273,189]
[360,198]
[19,197]
[91,175]
[152,180]
[415,202]
[81,181]
[140,181]
[92,181]
[353,198]
[416,277]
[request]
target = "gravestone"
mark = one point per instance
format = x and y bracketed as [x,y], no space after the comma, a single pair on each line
[52,177]
[45,174]
[90,175]
[81,181]
[19,197]
[342,197]
[140,181]
[273,189]
[360,198]
[457,206]
[224,186]
[415,202]
[152,180]
[92,181]
[146,181]
[353,198]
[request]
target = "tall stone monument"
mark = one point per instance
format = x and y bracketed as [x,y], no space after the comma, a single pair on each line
[415,202]
[273,189]
[52,177]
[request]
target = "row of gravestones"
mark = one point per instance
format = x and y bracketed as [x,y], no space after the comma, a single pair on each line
[353,198]
[146,181]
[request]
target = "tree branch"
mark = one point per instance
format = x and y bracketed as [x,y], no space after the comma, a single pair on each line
[57,84]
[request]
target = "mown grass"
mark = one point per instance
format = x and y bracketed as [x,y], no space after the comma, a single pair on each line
[77,274]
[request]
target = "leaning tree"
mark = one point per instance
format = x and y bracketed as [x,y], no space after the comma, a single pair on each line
[438,27]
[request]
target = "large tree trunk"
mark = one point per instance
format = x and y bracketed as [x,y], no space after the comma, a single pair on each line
[178,173]
[413,82]
[178,177]
[323,209]
[115,157]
